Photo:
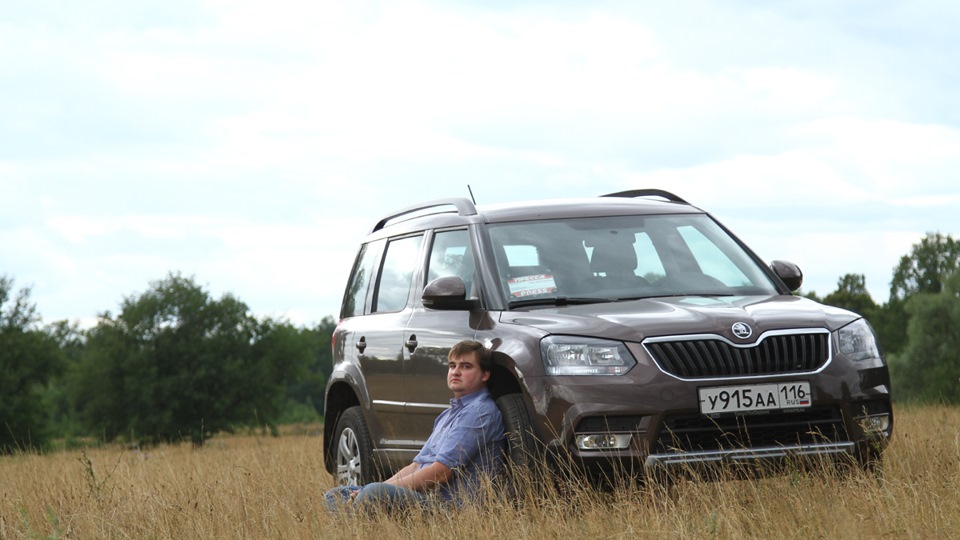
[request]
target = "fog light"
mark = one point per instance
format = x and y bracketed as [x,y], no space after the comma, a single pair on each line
[603,441]
[877,422]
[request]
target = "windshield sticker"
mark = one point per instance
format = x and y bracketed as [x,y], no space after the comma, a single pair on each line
[532,285]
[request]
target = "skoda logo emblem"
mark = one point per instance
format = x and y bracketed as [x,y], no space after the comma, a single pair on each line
[742,330]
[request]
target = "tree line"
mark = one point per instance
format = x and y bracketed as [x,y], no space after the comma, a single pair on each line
[176,364]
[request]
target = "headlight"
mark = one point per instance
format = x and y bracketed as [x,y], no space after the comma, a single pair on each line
[567,355]
[857,341]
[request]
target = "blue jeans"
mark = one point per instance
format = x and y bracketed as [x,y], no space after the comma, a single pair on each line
[375,496]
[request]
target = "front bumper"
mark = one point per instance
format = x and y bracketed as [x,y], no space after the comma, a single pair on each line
[773,454]
[661,415]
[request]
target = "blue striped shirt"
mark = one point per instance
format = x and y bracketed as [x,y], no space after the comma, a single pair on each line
[468,438]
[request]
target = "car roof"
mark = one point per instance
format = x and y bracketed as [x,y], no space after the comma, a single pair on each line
[445,213]
[585,207]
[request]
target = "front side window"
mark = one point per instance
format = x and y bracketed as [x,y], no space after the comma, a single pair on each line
[451,255]
[623,257]
[396,274]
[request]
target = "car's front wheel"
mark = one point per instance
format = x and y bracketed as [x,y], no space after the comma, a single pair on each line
[354,450]
[526,467]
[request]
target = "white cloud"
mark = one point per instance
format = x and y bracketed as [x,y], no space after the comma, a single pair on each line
[892,155]
[254,144]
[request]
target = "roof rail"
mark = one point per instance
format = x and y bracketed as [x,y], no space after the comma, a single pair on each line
[464,206]
[632,193]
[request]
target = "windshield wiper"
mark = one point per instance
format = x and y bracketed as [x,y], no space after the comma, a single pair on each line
[673,295]
[558,301]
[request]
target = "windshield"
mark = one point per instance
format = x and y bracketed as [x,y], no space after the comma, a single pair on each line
[619,258]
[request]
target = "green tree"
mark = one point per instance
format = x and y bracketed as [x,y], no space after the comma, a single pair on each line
[852,294]
[890,321]
[71,342]
[323,353]
[305,395]
[28,357]
[176,364]
[923,270]
[929,367]
[926,268]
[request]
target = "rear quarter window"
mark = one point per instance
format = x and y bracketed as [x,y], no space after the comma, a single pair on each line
[355,297]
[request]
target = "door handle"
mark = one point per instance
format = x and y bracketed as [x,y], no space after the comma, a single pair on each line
[362,344]
[412,343]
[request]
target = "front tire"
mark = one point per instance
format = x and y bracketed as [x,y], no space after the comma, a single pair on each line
[525,460]
[353,452]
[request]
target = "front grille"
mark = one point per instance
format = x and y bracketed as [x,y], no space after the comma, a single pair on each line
[695,432]
[715,357]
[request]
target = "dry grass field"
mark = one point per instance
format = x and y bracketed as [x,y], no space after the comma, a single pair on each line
[263,487]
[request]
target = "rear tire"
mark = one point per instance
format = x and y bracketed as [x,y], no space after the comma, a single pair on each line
[353,450]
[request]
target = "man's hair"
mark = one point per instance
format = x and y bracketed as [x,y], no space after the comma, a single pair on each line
[467,346]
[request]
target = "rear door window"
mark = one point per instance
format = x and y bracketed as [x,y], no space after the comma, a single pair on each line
[396,274]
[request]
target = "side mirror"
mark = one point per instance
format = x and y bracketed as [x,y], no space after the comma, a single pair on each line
[789,274]
[447,293]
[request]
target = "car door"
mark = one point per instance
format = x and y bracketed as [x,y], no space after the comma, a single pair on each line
[434,333]
[379,340]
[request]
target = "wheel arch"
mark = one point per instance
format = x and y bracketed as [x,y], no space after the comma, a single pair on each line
[340,397]
[506,376]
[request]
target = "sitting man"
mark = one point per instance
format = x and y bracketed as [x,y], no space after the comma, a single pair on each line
[466,443]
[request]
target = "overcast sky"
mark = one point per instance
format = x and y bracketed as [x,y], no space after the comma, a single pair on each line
[251,145]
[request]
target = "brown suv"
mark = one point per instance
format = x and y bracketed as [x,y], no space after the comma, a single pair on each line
[629,333]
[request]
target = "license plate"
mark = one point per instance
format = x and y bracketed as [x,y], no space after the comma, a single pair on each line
[754,397]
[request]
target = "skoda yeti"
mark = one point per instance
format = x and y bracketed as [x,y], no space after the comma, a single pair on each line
[630,332]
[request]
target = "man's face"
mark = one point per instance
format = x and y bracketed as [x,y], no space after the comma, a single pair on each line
[464,375]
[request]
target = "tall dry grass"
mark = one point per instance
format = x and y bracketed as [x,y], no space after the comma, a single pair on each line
[261,487]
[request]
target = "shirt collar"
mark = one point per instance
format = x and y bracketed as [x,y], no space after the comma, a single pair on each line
[469,398]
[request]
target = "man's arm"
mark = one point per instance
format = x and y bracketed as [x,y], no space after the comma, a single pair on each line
[409,469]
[422,479]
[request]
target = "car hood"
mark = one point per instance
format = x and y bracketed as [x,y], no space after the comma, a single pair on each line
[636,320]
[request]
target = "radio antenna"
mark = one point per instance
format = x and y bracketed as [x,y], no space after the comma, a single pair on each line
[471,194]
